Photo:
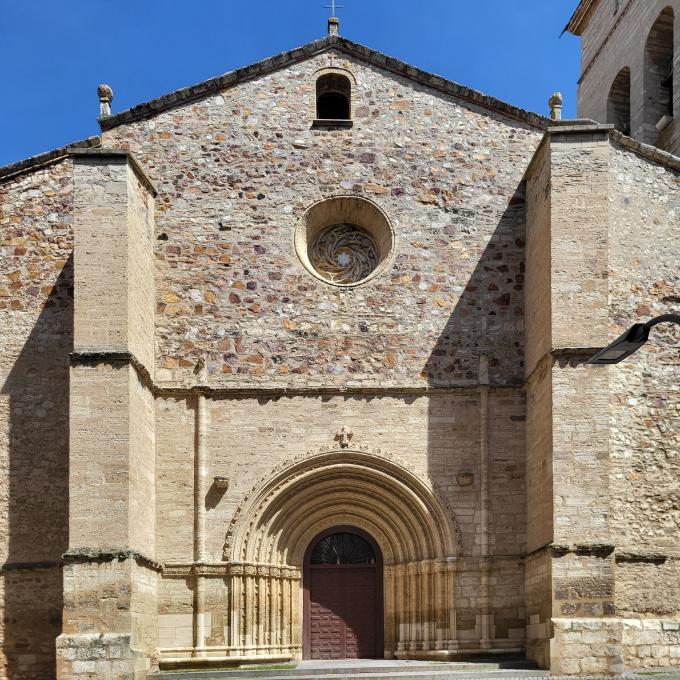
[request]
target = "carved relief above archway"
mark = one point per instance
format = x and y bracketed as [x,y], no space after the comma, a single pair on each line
[273,528]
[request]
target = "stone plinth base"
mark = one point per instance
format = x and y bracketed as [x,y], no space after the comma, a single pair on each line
[198,661]
[610,646]
[104,656]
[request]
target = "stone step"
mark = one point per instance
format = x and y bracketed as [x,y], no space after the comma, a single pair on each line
[351,675]
[418,671]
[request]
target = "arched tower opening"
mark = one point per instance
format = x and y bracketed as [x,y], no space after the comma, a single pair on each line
[333,97]
[658,77]
[618,102]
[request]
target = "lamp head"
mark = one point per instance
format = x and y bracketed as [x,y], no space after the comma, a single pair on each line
[622,347]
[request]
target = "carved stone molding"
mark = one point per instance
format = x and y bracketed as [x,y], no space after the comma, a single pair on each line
[100,555]
[382,476]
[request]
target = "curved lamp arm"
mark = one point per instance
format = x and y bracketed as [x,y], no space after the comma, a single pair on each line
[664,318]
[631,341]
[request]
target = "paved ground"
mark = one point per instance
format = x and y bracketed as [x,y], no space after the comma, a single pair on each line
[640,674]
[509,671]
[655,674]
[372,663]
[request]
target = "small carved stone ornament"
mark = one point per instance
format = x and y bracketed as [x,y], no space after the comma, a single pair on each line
[465,478]
[221,483]
[105,94]
[344,436]
[555,102]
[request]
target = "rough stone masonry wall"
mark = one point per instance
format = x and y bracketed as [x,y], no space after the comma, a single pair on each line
[614,40]
[644,282]
[236,172]
[36,317]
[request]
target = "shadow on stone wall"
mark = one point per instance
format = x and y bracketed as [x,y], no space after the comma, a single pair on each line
[489,316]
[487,321]
[37,388]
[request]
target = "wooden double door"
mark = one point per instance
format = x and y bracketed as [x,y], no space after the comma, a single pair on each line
[343,597]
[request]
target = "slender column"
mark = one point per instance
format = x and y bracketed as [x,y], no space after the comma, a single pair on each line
[403,612]
[432,608]
[451,568]
[440,608]
[399,608]
[199,521]
[485,628]
[237,610]
[261,612]
[389,607]
[273,639]
[250,609]
[425,605]
[413,598]
[295,601]
[285,613]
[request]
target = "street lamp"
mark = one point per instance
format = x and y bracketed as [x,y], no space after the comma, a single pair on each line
[630,341]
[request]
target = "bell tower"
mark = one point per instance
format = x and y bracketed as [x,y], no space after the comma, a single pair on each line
[630,65]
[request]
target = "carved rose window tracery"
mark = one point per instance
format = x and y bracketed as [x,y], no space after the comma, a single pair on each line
[344,253]
[345,241]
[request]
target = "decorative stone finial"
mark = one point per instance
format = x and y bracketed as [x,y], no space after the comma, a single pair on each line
[555,103]
[344,436]
[334,26]
[105,98]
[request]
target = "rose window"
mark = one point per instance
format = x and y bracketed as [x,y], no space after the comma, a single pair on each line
[345,241]
[344,253]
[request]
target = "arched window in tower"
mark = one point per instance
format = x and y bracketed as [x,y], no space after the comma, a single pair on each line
[333,97]
[659,76]
[618,102]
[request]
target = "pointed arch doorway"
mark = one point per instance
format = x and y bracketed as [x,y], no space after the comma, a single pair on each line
[343,596]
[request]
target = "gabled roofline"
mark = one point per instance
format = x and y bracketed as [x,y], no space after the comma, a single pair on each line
[90,147]
[580,17]
[215,85]
[652,153]
[47,157]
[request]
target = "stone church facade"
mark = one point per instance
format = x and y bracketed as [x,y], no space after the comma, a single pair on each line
[321,325]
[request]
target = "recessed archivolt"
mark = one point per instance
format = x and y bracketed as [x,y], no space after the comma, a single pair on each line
[349,487]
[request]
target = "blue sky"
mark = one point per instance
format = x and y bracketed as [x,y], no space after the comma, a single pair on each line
[56,52]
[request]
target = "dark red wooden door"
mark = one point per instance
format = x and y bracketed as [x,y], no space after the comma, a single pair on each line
[343,597]
[343,612]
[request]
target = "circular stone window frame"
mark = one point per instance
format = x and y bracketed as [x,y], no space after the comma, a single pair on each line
[352,210]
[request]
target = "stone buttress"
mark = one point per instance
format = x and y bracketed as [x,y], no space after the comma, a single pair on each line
[109,622]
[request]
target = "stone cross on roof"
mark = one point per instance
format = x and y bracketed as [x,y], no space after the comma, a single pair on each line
[333,7]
